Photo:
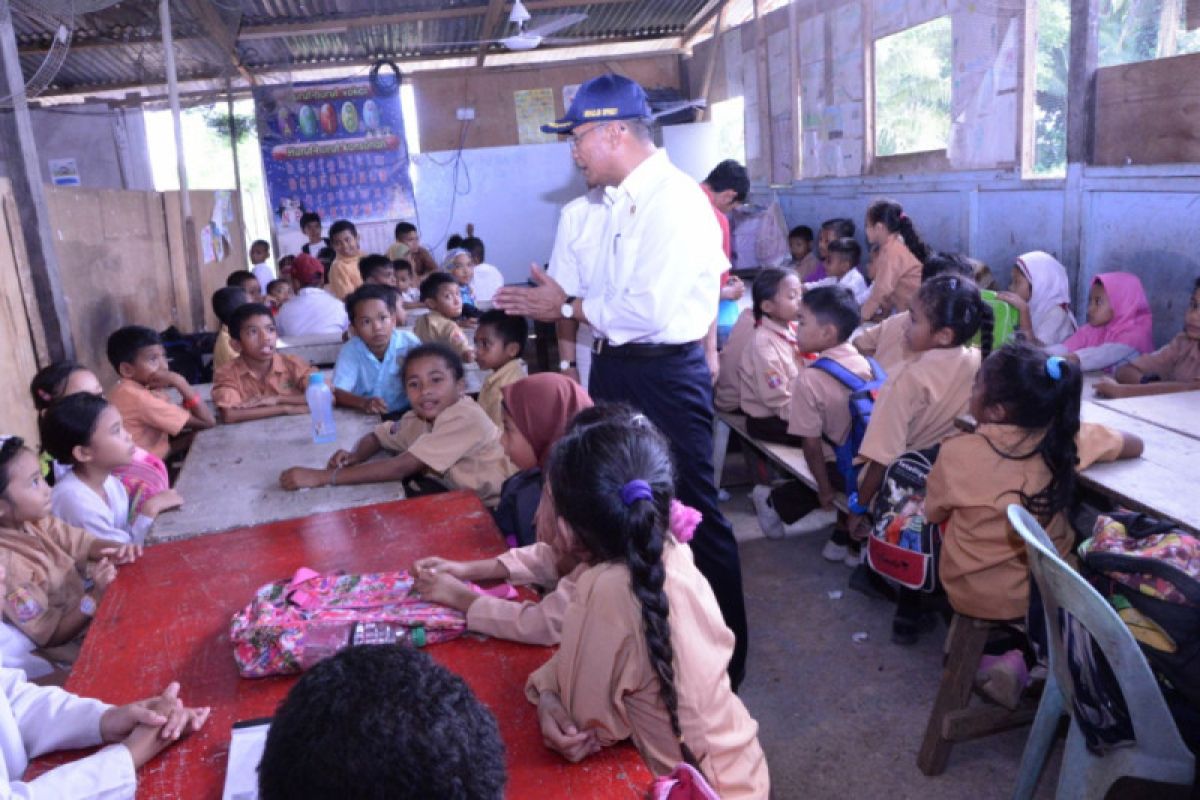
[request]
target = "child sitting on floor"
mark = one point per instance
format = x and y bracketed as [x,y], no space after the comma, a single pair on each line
[771,360]
[224,302]
[244,279]
[36,720]
[388,721]
[144,477]
[1172,368]
[1041,292]
[260,382]
[499,341]
[137,355]
[896,270]
[82,430]
[1119,325]
[279,291]
[343,273]
[644,649]
[366,376]
[819,415]
[445,436]
[1027,448]
[841,269]
[441,296]
[48,599]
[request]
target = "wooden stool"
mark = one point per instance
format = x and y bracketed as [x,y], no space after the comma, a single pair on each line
[953,719]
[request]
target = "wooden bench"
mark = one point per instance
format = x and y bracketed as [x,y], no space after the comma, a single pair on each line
[789,459]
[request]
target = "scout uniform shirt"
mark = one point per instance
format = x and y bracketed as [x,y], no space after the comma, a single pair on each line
[603,676]
[918,403]
[436,327]
[820,405]
[897,277]
[45,583]
[490,398]
[1178,360]
[236,384]
[983,562]
[768,366]
[887,342]
[461,445]
[727,392]
[149,416]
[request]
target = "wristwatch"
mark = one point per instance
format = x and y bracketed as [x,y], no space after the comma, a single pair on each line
[568,309]
[87,605]
[563,366]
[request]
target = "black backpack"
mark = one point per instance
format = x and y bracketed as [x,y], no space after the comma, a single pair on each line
[904,547]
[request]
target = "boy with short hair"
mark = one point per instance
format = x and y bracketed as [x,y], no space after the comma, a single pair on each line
[244,279]
[310,225]
[377,269]
[224,302]
[487,279]
[440,294]
[445,439]
[366,376]
[820,413]
[841,269]
[499,340]
[313,310]
[137,355]
[279,291]
[831,230]
[422,260]
[260,262]
[800,240]
[430,736]
[410,293]
[260,382]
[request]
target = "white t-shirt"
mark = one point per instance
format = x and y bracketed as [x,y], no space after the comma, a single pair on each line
[312,310]
[487,281]
[265,272]
[74,502]
[852,280]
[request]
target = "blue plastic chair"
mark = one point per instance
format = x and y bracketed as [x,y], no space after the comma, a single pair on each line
[1157,752]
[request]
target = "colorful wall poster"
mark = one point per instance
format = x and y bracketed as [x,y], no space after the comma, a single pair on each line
[535,107]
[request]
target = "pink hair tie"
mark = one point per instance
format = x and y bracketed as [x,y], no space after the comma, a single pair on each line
[684,520]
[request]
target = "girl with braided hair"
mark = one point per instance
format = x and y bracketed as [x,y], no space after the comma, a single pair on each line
[644,648]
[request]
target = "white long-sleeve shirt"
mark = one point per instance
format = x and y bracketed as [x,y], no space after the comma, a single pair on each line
[35,720]
[852,280]
[108,517]
[659,264]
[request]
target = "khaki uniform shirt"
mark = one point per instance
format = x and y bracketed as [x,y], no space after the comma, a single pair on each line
[223,352]
[727,392]
[820,404]
[149,416]
[235,383]
[768,366]
[897,277]
[462,446]
[436,327]
[983,563]
[887,342]
[490,398]
[1178,360]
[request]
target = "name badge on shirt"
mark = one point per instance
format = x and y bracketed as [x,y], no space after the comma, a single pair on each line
[24,605]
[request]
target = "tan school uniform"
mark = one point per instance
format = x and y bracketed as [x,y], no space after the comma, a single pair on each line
[436,327]
[820,405]
[767,368]
[1178,360]
[983,563]
[223,352]
[897,276]
[490,397]
[727,392]
[45,563]
[235,384]
[461,446]
[918,404]
[344,276]
[887,342]
[603,676]
[149,416]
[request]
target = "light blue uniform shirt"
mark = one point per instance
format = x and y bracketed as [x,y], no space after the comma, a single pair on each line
[359,372]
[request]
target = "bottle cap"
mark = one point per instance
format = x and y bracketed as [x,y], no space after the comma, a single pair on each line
[316,377]
[418,636]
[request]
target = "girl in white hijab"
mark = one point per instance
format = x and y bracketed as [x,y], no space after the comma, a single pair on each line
[1041,293]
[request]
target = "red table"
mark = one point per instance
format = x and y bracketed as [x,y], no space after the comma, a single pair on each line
[167,618]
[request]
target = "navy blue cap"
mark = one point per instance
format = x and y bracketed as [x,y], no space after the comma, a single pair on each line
[603,99]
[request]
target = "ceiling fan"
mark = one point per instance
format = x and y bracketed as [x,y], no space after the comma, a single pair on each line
[527,38]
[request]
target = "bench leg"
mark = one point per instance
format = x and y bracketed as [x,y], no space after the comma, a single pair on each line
[720,448]
[964,648]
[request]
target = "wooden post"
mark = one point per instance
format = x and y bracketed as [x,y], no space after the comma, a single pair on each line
[1026,119]
[196,302]
[1081,119]
[30,195]
[710,67]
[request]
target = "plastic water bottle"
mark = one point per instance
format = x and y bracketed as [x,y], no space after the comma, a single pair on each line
[320,406]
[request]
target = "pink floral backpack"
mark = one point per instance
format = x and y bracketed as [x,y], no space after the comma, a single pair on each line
[292,624]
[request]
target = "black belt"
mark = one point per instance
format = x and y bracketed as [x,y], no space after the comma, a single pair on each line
[603,347]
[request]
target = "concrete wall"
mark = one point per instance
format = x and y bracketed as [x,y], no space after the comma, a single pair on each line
[1139,220]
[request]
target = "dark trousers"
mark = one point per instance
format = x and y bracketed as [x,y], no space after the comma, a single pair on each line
[771,429]
[794,499]
[675,393]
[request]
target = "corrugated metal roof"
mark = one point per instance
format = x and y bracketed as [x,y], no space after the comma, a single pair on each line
[120,46]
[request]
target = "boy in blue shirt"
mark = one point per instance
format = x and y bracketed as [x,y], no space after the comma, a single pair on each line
[367,373]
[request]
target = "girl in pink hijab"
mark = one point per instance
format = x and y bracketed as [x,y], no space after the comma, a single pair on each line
[1119,324]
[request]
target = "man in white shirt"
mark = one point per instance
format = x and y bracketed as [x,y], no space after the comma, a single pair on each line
[581,226]
[313,310]
[651,300]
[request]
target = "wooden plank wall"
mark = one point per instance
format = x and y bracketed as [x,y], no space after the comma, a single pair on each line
[17,358]
[1149,112]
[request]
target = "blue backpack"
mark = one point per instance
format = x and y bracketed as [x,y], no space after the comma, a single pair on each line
[862,403]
